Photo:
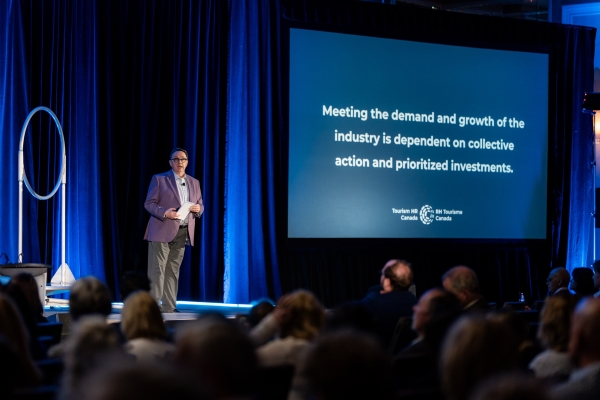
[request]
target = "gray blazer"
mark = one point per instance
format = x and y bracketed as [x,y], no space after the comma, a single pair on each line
[163,195]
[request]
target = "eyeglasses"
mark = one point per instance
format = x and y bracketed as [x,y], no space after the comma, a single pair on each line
[179,160]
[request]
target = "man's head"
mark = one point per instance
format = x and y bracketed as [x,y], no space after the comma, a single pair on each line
[347,365]
[584,346]
[596,276]
[436,306]
[178,161]
[89,296]
[557,279]
[217,352]
[396,275]
[463,283]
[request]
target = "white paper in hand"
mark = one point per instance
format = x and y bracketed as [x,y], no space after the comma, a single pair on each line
[184,210]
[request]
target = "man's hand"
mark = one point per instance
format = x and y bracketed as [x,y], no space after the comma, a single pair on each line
[195,208]
[172,213]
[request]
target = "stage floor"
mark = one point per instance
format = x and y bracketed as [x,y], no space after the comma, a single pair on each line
[189,310]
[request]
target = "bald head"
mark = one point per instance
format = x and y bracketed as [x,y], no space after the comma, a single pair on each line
[558,278]
[396,275]
[463,283]
[584,344]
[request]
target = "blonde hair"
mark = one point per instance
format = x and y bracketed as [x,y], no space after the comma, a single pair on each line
[555,320]
[141,317]
[307,315]
[475,349]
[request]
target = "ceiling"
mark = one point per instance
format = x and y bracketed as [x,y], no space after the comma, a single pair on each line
[522,9]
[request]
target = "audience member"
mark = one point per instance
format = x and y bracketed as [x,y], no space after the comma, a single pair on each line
[584,350]
[582,282]
[345,365]
[463,283]
[475,349]
[88,296]
[596,277]
[298,319]
[14,333]
[392,301]
[218,353]
[27,284]
[520,327]
[27,311]
[416,367]
[558,282]
[90,343]
[259,311]
[144,328]
[119,380]
[553,332]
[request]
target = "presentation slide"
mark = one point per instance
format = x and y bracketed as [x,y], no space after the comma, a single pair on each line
[401,139]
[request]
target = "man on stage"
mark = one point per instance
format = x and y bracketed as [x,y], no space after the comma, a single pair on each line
[166,233]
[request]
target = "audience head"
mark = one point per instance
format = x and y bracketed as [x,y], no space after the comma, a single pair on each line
[141,317]
[347,365]
[12,326]
[90,344]
[396,275]
[132,281]
[119,380]
[300,315]
[422,310]
[89,296]
[513,321]
[558,279]
[582,281]
[258,311]
[475,349]
[596,268]
[24,308]
[442,311]
[555,320]
[219,353]
[584,343]
[27,284]
[463,283]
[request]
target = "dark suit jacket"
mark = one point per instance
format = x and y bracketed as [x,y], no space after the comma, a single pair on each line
[386,309]
[481,305]
[163,195]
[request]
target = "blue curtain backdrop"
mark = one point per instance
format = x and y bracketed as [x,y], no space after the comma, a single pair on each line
[130,80]
[14,107]
[254,123]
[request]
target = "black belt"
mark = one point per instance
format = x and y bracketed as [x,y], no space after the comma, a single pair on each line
[183,226]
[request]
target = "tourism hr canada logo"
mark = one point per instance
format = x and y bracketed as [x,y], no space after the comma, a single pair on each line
[426,214]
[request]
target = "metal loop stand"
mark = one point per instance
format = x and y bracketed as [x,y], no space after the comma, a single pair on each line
[63,276]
